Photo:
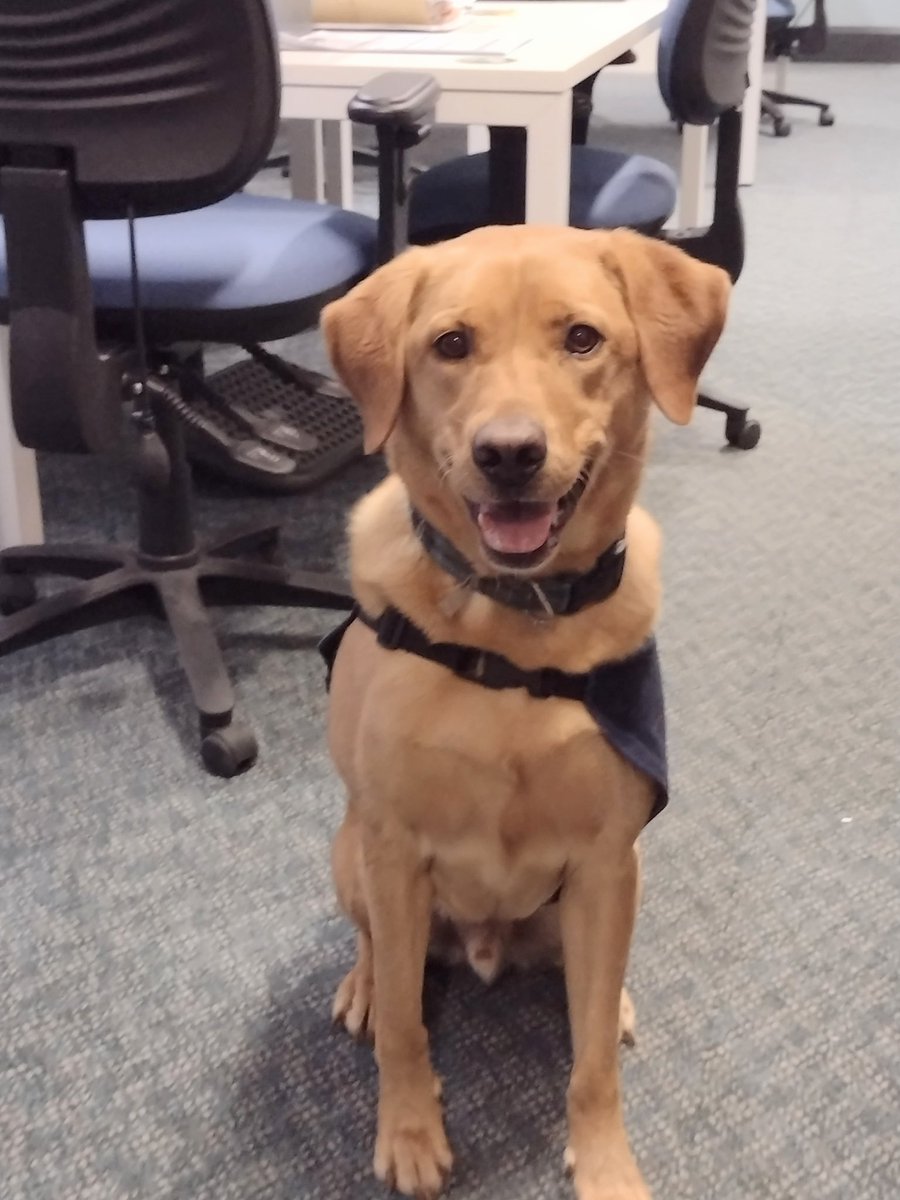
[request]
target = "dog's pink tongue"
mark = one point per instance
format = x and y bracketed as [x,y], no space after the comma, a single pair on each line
[515,528]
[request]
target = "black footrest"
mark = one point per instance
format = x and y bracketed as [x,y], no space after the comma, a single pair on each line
[282,431]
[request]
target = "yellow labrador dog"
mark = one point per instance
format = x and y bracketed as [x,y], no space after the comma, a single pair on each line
[495,707]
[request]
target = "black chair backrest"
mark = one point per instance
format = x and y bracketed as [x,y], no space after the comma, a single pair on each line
[703,49]
[163,105]
[110,108]
[702,67]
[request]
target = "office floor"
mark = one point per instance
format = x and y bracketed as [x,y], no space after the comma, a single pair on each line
[169,943]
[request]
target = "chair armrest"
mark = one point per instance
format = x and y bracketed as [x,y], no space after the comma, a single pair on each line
[400,106]
[399,100]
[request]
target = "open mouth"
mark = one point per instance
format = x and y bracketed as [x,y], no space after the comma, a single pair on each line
[520,534]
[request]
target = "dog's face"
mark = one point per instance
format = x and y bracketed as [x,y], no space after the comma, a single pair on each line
[510,373]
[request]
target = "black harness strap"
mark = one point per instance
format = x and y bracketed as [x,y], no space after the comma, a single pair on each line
[625,698]
[394,631]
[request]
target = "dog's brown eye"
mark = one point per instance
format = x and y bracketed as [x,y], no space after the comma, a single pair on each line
[453,344]
[581,339]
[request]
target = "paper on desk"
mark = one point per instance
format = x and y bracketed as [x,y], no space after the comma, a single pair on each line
[471,41]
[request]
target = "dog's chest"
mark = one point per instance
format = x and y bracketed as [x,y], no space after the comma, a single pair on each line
[499,788]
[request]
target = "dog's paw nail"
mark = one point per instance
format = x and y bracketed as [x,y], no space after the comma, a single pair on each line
[569,1159]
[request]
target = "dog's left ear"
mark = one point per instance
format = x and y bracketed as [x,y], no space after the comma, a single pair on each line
[364,332]
[678,306]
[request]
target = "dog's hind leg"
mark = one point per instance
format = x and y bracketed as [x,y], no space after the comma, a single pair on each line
[354,1001]
[536,942]
[627,1020]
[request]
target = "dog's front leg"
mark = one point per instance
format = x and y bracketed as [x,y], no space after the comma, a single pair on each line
[597,912]
[411,1149]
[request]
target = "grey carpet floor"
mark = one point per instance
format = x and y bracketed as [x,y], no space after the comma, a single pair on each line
[169,944]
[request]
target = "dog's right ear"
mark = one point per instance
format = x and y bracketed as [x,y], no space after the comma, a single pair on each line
[364,332]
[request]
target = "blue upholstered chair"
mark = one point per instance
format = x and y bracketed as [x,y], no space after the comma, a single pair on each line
[785,35]
[126,130]
[702,72]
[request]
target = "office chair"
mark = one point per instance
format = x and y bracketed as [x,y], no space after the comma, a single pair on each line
[126,129]
[783,40]
[702,71]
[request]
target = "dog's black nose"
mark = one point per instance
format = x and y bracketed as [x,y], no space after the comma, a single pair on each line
[509,450]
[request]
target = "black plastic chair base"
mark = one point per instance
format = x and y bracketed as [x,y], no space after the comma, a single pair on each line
[168,575]
[771,104]
[117,582]
[781,126]
[742,432]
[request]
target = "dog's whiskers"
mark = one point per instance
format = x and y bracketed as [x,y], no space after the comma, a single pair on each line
[444,468]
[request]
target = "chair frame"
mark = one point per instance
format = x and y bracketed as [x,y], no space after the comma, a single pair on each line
[783,40]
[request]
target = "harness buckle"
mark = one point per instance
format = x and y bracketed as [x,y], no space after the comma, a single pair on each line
[551,681]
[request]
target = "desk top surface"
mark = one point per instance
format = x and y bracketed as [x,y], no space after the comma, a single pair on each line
[569,39]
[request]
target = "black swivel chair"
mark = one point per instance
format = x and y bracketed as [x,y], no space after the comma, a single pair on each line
[702,69]
[126,129]
[784,38]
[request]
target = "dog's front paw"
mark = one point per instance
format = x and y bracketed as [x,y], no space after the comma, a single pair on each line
[606,1176]
[412,1153]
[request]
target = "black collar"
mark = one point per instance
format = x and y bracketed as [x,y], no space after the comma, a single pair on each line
[551,595]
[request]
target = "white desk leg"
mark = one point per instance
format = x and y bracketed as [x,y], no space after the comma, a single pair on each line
[548,165]
[304,140]
[337,146]
[750,109]
[20,499]
[692,192]
[478,139]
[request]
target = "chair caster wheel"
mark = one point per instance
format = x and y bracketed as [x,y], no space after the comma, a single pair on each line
[782,127]
[16,592]
[826,117]
[741,433]
[229,750]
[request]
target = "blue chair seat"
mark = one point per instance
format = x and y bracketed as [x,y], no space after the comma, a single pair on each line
[246,267]
[607,190]
[780,10]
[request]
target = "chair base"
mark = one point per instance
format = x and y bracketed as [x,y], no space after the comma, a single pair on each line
[742,432]
[168,575]
[117,582]
[771,104]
